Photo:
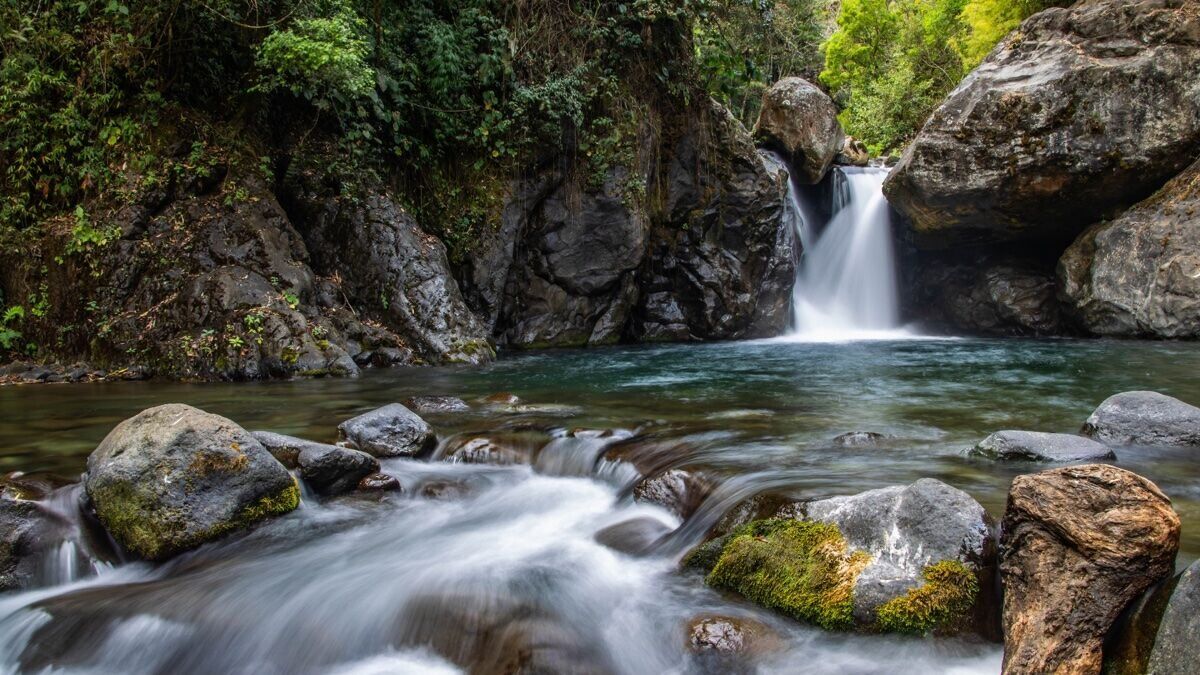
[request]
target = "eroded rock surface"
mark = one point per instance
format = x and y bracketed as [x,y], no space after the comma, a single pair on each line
[1078,544]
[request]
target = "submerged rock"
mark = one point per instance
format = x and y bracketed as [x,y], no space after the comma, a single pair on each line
[437,404]
[1037,446]
[636,536]
[676,490]
[800,120]
[390,431]
[1080,112]
[727,635]
[859,439]
[173,477]
[1177,643]
[1139,274]
[378,482]
[1144,418]
[1078,544]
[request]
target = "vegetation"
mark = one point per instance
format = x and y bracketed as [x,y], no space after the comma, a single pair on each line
[942,602]
[803,569]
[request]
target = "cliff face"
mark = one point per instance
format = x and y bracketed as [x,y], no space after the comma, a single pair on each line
[235,276]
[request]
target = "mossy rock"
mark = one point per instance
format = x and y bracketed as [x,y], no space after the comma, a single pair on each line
[941,604]
[173,477]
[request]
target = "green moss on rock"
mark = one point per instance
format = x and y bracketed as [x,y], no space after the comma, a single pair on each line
[941,603]
[803,569]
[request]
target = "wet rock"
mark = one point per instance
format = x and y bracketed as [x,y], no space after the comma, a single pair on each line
[759,507]
[173,477]
[1139,274]
[727,635]
[918,537]
[436,404]
[390,431]
[497,448]
[445,489]
[1078,544]
[859,439]
[636,537]
[1177,644]
[285,449]
[378,482]
[333,470]
[1081,112]
[1144,418]
[1036,446]
[19,486]
[25,532]
[853,153]
[503,398]
[1128,644]
[676,490]
[800,120]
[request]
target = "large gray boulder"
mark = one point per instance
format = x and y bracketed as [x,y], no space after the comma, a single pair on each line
[800,121]
[907,529]
[1139,274]
[173,477]
[1144,418]
[390,431]
[1176,648]
[1038,446]
[1080,112]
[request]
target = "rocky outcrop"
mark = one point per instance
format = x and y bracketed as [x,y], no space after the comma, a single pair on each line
[173,477]
[390,431]
[1177,642]
[1077,545]
[800,121]
[1139,274]
[1038,446]
[688,248]
[1144,418]
[1077,114]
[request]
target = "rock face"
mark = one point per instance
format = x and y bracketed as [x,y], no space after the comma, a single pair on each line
[907,530]
[981,293]
[1177,645]
[1037,446]
[173,477]
[800,120]
[578,262]
[1079,113]
[390,431]
[1139,274]
[24,529]
[1144,418]
[1078,544]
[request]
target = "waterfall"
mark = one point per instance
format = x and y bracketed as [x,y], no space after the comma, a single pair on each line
[846,287]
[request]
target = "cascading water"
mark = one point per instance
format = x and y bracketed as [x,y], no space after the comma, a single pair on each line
[846,286]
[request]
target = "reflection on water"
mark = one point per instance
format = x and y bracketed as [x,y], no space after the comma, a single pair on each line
[505,564]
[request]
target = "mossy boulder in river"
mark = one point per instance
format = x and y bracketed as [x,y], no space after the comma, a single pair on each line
[907,559]
[174,477]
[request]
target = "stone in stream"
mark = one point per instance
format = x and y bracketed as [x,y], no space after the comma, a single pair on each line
[859,439]
[1078,545]
[436,404]
[378,482]
[727,635]
[329,469]
[676,490]
[906,559]
[800,120]
[1037,446]
[1144,418]
[25,530]
[390,431]
[1177,644]
[635,537]
[1080,112]
[173,477]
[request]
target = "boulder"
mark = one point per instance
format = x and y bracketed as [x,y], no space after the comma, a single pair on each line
[378,482]
[390,431]
[436,404]
[853,153]
[1037,446]
[800,120]
[1176,648]
[26,530]
[1139,274]
[1144,418]
[1078,545]
[173,477]
[1080,112]
[905,559]
[676,490]
[333,470]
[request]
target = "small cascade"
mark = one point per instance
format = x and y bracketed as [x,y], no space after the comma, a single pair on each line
[846,284]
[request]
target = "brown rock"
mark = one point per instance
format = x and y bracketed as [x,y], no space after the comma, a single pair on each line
[1078,545]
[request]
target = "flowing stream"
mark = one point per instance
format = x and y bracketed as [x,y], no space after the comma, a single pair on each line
[473,568]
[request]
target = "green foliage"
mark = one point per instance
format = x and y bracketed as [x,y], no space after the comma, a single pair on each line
[990,21]
[803,569]
[321,59]
[9,335]
[944,600]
